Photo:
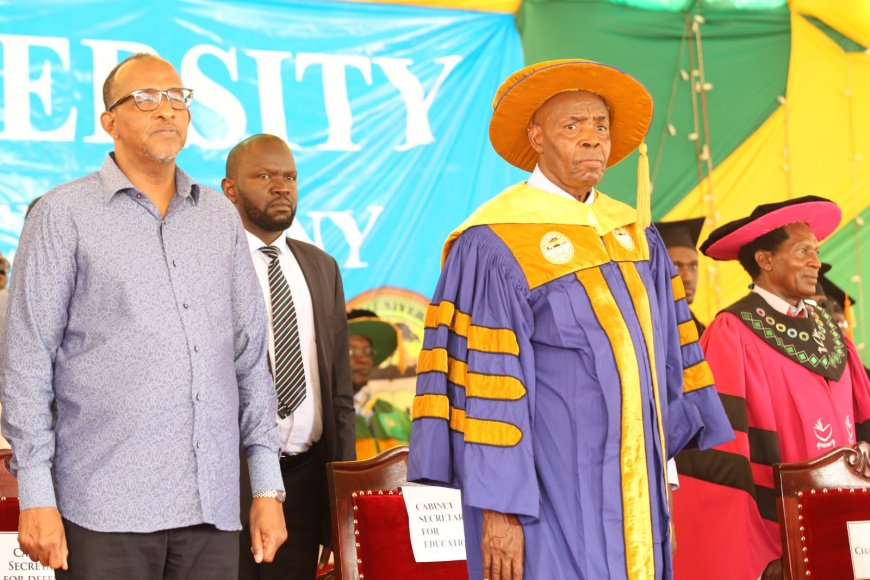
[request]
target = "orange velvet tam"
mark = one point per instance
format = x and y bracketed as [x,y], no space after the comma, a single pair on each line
[523,93]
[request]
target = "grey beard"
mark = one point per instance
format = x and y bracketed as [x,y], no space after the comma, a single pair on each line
[161,156]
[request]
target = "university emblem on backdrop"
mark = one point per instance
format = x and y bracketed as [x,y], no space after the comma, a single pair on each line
[406,310]
[557,248]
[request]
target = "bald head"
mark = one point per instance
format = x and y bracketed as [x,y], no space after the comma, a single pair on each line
[261,183]
[109,94]
[238,152]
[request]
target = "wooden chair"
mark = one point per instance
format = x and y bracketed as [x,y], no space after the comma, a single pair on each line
[385,471]
[8,494]
[814,500]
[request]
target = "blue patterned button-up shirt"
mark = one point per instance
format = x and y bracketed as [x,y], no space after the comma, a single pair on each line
[134,360]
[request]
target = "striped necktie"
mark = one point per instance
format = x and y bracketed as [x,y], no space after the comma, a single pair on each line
[289,373]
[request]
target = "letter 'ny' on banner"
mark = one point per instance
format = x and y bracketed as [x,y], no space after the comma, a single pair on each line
[386,109]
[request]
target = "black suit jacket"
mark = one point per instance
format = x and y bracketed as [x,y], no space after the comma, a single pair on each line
[336,392]
[338,442]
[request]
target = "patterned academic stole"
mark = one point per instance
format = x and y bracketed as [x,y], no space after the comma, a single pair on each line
[814,342]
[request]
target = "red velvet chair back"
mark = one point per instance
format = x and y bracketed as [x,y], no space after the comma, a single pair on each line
[815,499]
[386,471]
[8,494]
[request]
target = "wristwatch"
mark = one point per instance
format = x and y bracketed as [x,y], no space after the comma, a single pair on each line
[279,494]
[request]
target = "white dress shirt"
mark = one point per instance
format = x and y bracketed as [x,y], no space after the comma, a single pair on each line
[540,181]
[303,428]
[780,305]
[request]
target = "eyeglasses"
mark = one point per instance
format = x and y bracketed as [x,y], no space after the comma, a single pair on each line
[361,352]
[149,99]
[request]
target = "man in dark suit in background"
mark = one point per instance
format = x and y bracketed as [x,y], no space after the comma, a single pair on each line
[307,351]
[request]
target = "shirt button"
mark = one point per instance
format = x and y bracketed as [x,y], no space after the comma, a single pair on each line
[186,306]
[199,396]
[174,265]
[138,196]
[195,348]
[198,445]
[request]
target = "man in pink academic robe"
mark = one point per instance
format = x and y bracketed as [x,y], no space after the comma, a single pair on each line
[791,383]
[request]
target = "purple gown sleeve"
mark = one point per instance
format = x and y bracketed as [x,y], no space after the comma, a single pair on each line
[475,385]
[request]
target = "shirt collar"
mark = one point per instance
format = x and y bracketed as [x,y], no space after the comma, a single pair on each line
[540,181]
[115,181]
[778,304]
[256,243]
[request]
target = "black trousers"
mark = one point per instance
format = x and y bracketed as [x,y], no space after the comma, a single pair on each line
[194,553]
[305,508]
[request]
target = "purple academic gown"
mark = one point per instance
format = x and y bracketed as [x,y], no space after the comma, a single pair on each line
[556,365]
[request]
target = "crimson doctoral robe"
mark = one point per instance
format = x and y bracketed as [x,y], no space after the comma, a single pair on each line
[793,389]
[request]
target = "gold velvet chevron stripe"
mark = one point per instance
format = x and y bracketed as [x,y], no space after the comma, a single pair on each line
[498,340]
[688,332]
[640,299]
[482,386]
[432,406]
[500,387]
[446,314]
[637,522]
[478,431]
[678,289]
[432,360]
[482,338]
[457,419]
[697,377]
[496,433]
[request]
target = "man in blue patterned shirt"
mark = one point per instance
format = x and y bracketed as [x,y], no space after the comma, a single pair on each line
[134,363]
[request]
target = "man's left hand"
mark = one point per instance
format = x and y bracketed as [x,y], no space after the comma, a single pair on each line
[502,546]
[268,530]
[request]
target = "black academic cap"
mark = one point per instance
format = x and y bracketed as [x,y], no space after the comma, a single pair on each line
[682,232]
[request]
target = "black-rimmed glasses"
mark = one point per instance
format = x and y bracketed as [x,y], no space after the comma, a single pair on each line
[149,99]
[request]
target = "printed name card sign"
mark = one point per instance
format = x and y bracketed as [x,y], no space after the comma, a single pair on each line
[16,565]
[435,522]
[859,547]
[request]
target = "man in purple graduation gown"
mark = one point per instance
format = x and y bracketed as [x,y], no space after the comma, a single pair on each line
[560,367]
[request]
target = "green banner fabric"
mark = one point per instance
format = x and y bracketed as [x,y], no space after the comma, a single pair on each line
[682,5]
[849,252]
[745,57]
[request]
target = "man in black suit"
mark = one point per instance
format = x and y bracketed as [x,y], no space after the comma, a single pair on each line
[307,352]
